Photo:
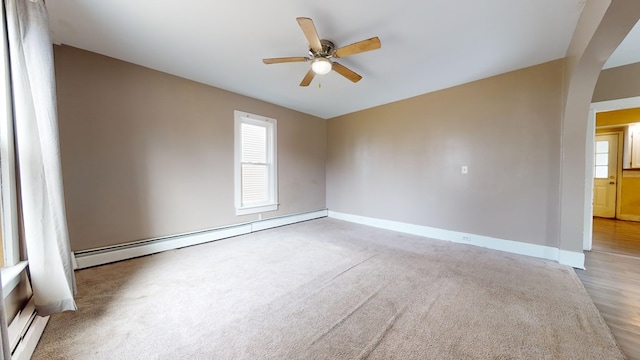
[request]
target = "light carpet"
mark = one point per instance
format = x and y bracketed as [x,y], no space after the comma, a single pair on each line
[327,289]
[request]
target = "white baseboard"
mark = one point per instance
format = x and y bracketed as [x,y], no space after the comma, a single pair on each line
[571,258]
[94,257]
[286,220]
[574,259]
[107,255]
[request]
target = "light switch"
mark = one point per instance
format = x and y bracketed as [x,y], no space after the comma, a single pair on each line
[464,169]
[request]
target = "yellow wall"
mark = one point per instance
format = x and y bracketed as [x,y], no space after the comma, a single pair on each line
[618,117]
[630,199]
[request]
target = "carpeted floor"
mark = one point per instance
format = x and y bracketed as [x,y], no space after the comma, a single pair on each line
[327,289]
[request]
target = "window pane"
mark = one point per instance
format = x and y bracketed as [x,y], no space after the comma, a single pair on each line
[602,172]
[255,173]
[602,159]
[254,183]
[254,143]
[602,147]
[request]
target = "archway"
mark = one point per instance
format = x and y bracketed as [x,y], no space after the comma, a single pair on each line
[601,28]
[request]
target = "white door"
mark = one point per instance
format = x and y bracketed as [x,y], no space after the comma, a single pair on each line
[605,176]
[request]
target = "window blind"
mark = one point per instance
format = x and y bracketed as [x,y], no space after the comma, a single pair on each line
[254,166]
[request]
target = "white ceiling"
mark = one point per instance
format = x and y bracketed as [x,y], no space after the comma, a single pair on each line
[628,52]
[426,45]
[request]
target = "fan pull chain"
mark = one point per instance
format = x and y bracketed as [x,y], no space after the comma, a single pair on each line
[319,85]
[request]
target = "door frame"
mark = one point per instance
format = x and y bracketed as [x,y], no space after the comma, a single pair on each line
[619,154]
[596,107]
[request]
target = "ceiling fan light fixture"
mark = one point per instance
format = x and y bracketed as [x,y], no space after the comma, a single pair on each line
[321,65]
[321,51]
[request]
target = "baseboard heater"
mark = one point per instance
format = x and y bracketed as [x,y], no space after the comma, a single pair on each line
[109,254]
[25,331]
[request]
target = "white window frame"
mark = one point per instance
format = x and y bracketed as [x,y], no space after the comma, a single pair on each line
[8,193]
[13,267]
[271,204]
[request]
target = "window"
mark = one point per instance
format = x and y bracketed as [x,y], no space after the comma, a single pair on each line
[602,160]
[8,197]
[256,188]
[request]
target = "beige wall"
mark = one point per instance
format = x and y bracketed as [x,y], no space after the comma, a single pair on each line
[618,83]
[147,154]
[402,161]
[580,75]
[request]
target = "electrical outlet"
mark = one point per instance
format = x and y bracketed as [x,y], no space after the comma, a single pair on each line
[466,238]
[464,169]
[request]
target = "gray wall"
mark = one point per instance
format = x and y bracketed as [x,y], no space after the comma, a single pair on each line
[402,161]
[147,154]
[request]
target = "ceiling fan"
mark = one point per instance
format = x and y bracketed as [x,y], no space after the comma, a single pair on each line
[321,52]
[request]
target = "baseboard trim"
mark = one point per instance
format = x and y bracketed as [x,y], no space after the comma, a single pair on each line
[287,220]
[627,217]
[573,259]
[105,255]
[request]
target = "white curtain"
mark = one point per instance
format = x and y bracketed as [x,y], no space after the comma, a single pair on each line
[38,156]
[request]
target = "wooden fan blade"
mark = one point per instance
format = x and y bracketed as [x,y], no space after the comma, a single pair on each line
[307,78]
[284,60]
[360,46]
[346,72]
[310,32]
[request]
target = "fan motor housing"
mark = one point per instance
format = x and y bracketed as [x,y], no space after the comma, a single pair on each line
[327,49]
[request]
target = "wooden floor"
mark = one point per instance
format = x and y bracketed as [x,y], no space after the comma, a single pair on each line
[612,278]
[615,236]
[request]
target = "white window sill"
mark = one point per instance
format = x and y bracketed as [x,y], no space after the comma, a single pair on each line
[256,209]
[11,276]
